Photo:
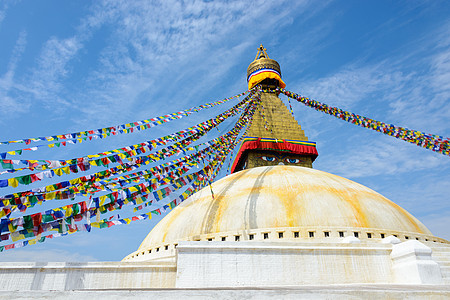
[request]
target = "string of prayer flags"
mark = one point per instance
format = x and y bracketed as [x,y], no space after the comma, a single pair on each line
[123,128]
[35,220]
[428,141]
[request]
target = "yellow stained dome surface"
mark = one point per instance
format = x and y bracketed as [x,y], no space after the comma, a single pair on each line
[281,197]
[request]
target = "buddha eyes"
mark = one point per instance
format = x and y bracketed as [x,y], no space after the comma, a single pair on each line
[292,160]
[268,158]
[288,160]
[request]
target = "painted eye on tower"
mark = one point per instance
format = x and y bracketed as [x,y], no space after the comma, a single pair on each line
[268,158]
[293,160]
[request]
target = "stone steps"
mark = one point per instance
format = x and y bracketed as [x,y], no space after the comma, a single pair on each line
[441,255]
[445,269]
[443,263]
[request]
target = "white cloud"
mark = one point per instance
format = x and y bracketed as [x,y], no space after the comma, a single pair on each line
[3,9]
[379,157]
[154,47]
[438,225]
[353,85]
[147,49]
[422,103]
[9,103]
[440,78]
[46,80]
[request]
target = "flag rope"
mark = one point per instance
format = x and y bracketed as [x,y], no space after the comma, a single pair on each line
[73,138]
[432,142]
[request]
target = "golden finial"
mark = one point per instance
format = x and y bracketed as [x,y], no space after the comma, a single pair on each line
[261,52]
[262,61]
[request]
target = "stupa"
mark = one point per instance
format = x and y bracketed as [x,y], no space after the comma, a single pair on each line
[277,221]
[275,226]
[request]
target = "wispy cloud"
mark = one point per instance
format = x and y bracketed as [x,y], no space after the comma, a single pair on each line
[8,86]
[438,223]
[385,156]
[359,88]
[150,47]
[157,46]
[2,15]
[352,85]
[46,81]
[3,8]
[407,90]
[423,104]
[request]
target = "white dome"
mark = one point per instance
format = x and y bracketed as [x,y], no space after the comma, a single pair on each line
[282,197]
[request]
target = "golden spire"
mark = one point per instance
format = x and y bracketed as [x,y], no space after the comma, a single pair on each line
[274,137]
[261,52]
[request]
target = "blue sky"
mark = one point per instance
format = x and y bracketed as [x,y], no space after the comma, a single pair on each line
[68,66]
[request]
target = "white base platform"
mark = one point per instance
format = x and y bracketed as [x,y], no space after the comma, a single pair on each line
[254,270]
[354,291]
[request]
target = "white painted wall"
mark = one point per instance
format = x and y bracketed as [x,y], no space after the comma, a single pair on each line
[229,264]
[91,275]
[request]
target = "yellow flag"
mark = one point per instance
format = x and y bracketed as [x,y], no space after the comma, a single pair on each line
[50,188]
[15,236]
[69,211]
[49,196]
[75,181]
[13,182]
[102,200]
[95,224]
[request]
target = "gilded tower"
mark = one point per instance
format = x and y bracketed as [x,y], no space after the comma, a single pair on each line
[274,137]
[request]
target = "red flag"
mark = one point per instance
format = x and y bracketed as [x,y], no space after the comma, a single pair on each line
[37,219]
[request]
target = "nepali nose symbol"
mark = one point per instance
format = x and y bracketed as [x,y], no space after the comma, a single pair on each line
[281,163]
